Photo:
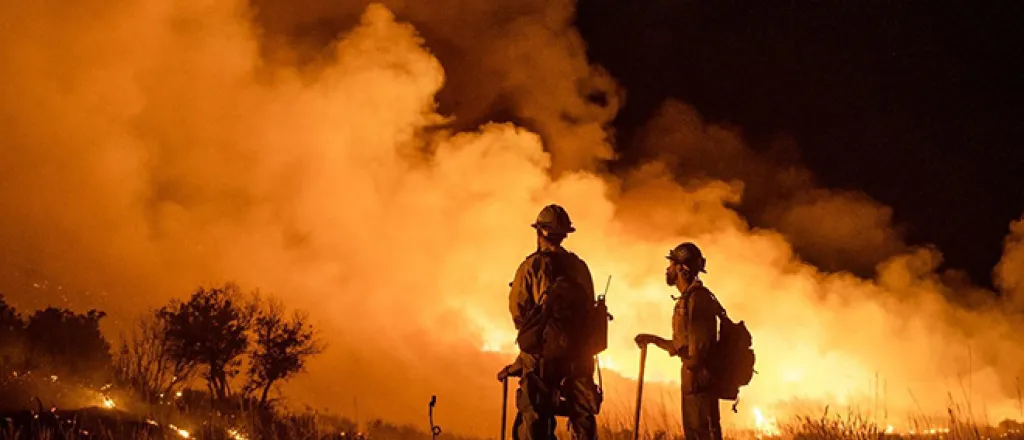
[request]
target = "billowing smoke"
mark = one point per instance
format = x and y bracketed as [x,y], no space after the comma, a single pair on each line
[516,60]
[836,230]
[150,147]
[1010,271]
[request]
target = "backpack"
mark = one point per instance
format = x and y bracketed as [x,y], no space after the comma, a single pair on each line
[561,324]
[596,339]
[731,357]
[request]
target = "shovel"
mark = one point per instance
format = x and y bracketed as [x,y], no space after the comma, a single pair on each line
[504,406]
[639,392]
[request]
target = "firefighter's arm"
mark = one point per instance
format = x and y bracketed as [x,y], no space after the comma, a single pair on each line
[667,345]
[521,290]
[662,343]
[515,369]
[677,345]
[702,331]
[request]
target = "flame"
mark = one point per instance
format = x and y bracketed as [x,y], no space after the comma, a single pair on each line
[766,427]
[461,215]
[108,402]
[497,342]
[236,434]
[183,433]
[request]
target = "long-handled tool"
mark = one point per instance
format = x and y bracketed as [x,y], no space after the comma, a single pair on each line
[504,406]
[639,391]
[434,429]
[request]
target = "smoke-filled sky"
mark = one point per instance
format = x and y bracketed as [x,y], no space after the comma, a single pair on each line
[915,104]
[379,165]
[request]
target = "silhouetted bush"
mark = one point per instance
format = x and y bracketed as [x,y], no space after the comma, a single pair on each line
[12,337]
[210,330]
[64,343]
[282,346]
[145,362]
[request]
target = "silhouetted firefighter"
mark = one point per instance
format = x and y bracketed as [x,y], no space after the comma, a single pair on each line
[716,363]
[561,329]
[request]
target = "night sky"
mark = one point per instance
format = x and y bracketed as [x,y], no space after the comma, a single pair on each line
[914,103]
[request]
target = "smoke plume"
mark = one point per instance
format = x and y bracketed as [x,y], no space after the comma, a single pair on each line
[836,230]
[514,60]
[150,147]
[1009,274]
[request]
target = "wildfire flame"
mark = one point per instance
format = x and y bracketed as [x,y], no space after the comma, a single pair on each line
[183,433]
[335,177]
[765,426]
[236,434]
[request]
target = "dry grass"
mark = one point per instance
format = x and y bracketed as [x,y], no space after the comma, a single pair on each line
[848,425]
[196,416]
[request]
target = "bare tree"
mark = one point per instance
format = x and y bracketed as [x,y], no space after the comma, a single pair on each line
[282,347]
[210,330]
[146,363]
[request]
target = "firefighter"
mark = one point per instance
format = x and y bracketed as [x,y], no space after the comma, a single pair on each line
[560,382]
[694,330]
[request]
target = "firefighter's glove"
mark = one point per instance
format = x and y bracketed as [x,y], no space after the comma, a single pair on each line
[513,370]
[643,339]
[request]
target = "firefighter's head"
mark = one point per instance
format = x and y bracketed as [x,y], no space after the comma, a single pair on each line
[553,224]
[684,263]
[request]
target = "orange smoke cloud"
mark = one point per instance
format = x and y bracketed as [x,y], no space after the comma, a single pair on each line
[151,147]
[507,59]
[835,230]
[1009,274]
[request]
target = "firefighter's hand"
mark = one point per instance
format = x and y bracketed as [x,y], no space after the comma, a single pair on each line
[509,370]
[643,339]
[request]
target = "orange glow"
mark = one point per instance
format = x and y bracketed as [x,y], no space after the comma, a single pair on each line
[181,432]
[765,426]
[141,155]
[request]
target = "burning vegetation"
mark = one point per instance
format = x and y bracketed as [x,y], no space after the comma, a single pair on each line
[151,146]
[62,362]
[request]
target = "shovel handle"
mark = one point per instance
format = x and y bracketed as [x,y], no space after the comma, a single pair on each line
[504,406]
[639,392]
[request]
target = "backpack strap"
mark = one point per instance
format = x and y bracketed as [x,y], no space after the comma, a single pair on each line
[721,309]
[721,313]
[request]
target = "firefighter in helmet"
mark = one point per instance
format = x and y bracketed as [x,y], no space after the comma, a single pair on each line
[694,329]
[561,384]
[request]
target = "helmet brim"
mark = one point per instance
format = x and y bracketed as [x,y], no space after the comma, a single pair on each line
[669,258]
[552,230]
